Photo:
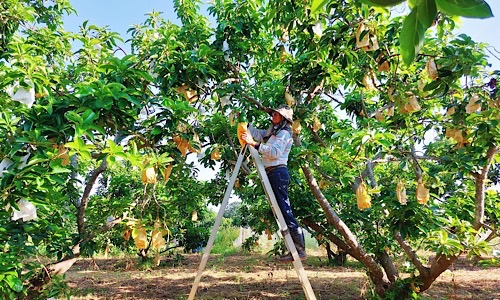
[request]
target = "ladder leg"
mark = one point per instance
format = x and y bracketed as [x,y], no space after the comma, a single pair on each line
[304,281]
[215,228]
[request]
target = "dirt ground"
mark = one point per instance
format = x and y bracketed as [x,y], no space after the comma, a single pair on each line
[254,276]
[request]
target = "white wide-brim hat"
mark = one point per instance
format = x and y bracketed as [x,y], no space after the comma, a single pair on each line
[283,110]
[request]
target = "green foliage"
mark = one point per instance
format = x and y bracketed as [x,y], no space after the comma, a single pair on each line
[90,122]
[226,236]
[423,15]
[465,8]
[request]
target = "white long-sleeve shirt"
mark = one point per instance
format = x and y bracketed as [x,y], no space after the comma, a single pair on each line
[277,148]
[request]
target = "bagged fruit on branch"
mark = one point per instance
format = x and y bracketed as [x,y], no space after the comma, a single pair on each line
[196,142]
[269,234]
[412,105]
[181,144]
[157,240]
[450,111]
[431,69]
[384,66]
[215,155]
[149,175]
[296,127]
[289,99]
[62,152]
[372,44]
[364,200]
[27,211]
[401,192]
[422,193]
[157,259]
[167,172]
[473,105]
[242,128]
[140,238]
[126,234]
[390,111]
[362,36]
[316,124]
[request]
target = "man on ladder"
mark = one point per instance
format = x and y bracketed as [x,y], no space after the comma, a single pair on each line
[278,142]
[274,144]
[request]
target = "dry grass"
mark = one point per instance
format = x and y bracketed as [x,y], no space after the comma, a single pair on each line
[254,276]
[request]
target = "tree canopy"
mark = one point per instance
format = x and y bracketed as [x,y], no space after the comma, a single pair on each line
[396,130]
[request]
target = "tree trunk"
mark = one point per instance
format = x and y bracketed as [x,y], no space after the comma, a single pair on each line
[86,196]
[480,188]
[388,265]
[440,264]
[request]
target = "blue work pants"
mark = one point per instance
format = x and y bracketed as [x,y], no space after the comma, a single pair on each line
[280,180]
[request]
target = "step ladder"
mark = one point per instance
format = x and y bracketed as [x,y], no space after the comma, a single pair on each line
[304,281]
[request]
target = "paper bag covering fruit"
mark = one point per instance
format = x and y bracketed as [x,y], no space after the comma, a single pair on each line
[289,99]
[364,200]
[182,144]
[215,155]
[149,175]
[167,172]
[401,192]
[316,124]
[473,105]
[140,237]
[365,39]
[296,127]
[62,152]
[411,106]
[189,94]
[431,69]
[422,193]
[126,234]
[157,240]
[242,128]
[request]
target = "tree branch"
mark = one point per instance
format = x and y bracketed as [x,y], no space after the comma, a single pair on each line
[480,187]
[411,254]
[86,196]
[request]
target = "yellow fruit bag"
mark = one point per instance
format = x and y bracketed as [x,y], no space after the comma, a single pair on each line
[242,128]
[364,200]
[296,127]
[149,175]
[289,99]
[401,192]
[157,240]
[140,239]
[167,172]
[215,155]
[422,193]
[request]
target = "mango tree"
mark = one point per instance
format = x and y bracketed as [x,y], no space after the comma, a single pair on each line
[375,120]
[413,126]
[69,116]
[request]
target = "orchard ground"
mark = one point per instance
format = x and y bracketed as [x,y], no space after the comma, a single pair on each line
[256,276]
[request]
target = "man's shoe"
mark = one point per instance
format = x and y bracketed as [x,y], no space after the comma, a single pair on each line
[288,258]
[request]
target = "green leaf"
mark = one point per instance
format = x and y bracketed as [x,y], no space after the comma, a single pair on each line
[73,117]
[14,283]
[465,8]
[58,170]
[157,130]
[317,5]
[383,2]
[89,116]
[431,86]
[427,12]
[412,37]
